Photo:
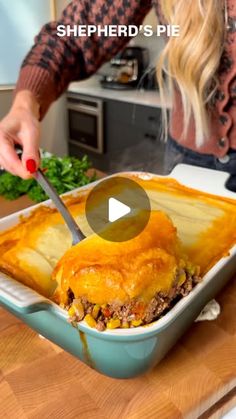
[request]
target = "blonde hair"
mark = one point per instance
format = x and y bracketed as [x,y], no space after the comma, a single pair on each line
[192,59]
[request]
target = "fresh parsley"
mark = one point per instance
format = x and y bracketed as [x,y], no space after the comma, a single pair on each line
[64,173]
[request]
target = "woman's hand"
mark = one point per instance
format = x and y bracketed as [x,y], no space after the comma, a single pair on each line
[20,126]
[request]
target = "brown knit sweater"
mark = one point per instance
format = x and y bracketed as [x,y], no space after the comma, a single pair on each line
[54,62]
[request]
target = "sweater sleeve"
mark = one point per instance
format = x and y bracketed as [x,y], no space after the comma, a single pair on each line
[53,62]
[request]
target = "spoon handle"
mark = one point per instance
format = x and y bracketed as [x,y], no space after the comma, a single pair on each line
[77,234]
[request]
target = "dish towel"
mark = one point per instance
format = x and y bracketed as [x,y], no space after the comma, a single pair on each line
[210,312]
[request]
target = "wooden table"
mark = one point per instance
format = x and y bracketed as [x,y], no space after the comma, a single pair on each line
[9,207]
[196,379]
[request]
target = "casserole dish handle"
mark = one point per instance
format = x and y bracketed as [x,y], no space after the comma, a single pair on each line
[19,295]
[207,180]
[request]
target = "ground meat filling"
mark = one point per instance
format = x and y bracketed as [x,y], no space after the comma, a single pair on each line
[133,314]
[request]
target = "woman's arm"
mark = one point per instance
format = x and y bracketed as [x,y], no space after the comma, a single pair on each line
[54,62]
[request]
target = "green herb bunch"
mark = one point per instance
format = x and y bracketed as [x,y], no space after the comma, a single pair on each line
[64,173]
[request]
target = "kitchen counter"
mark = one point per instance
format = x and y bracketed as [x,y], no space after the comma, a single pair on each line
[8,207]
[198,377]
[92,87]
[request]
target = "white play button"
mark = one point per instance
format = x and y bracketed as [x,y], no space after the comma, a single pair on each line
[116,209]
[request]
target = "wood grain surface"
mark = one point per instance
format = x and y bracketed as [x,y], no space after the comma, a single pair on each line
[9,207]
[40,380]
[196,379]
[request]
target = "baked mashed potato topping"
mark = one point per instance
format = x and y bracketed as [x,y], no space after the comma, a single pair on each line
[206,225]
[113,284]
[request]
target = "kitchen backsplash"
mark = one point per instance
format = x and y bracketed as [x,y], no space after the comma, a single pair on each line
[154,44]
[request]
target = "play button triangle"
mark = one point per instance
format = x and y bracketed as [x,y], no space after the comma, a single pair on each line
[117,198]
[116,209]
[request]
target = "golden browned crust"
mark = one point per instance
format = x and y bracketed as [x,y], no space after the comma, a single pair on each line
[107,272]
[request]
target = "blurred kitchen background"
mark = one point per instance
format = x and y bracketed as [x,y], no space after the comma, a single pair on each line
[114,117]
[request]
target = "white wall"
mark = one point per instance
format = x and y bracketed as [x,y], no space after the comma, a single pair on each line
[60,5]
[18,26]
[54,125]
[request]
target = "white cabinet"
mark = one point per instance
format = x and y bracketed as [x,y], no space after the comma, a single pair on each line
[151,19]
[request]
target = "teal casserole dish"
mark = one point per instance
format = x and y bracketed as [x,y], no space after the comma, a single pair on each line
[121,353]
